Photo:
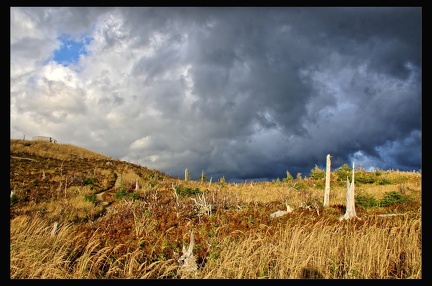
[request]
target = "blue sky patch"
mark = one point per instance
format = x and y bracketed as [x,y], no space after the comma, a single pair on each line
[70,50]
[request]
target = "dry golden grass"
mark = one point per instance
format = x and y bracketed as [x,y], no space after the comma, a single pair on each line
[142,237]
[51,150]
[374,249]
[35,253]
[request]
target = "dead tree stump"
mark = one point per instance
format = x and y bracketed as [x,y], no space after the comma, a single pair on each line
[350,211]
[327,182]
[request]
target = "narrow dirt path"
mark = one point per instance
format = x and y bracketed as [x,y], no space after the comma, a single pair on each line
[99,196]
[99,199]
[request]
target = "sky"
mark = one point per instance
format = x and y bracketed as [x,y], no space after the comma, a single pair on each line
[244,93]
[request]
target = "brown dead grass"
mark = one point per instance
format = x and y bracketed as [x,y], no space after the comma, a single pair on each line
[142,237]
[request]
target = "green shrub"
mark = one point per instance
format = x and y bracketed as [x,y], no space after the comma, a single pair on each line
[13,199]
[317,174]
[186,191]
[364,177]
[366,201]
[154,176]
[343,172]
[90,198]
[134,196]
[288,178]
[384,181]
[300,185]
[392,198]
[121,192]
[89,181]
[319,185]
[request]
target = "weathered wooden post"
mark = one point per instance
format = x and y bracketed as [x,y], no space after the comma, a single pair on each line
[187,175]
[136,185]
[350,211]
[187,261]
[327,182]
[54,230]
[202,176]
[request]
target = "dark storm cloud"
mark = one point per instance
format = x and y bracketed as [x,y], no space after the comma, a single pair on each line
[250,93]
[334,26]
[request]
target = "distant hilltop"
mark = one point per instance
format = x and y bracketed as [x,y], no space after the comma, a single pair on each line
[44,138]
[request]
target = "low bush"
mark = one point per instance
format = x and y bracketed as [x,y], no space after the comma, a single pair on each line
[90,198]
[366,201]
[363,177]
[317,174]
[122,192]
[187,191]
[13,199]
[392,198]
[89,181]
[384,181]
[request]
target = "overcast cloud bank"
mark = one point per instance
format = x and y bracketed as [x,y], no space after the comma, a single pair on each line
[244,93]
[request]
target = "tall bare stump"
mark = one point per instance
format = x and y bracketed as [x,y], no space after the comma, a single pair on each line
[187,261]
[327,182]
[187,176]
[350,204]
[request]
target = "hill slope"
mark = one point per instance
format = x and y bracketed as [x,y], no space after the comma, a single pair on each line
[45,172]
[119,220]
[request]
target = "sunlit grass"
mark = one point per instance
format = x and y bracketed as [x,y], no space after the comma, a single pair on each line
[142,236]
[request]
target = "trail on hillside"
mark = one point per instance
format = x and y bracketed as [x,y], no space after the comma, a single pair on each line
[99,196]
[99,199]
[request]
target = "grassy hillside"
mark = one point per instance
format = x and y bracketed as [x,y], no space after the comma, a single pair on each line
[115,219]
